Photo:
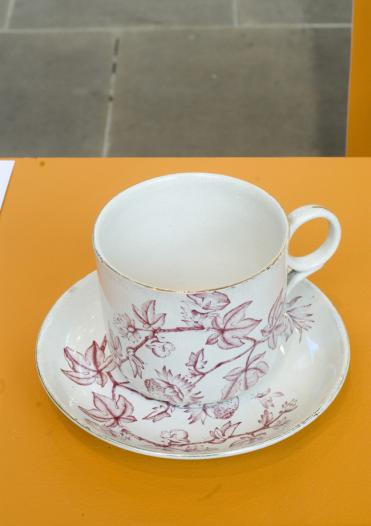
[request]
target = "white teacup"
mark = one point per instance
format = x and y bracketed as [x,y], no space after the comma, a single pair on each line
[194,271]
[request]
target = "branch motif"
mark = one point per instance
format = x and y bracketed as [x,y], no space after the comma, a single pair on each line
[145,331]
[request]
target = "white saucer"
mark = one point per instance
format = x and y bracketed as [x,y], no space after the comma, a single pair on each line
[310,374]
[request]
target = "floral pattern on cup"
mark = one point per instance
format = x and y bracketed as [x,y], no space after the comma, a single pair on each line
[226,329]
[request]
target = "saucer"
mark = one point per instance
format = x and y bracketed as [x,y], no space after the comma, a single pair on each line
[83,380]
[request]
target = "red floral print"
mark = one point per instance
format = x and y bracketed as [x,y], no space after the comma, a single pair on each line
[234,329]
[110,412]
[90,367]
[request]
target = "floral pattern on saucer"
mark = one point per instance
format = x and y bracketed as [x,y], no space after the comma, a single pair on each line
[117,411]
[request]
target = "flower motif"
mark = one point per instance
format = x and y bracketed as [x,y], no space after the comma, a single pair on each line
[220,435]
[127,328]
[161,349]
[147,316]
[90,367]
[158,413]
[234,329]
[210,301]
[284,317]
[173,388]
[110,412]
[175,437]
[297,317]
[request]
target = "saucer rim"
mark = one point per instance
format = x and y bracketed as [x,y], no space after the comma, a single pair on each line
[205,455]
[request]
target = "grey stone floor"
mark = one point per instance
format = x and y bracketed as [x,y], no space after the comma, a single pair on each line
[173,77]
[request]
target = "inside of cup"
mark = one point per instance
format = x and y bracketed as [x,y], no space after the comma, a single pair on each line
[190,232]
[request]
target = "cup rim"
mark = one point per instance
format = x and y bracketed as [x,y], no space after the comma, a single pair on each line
[149,181]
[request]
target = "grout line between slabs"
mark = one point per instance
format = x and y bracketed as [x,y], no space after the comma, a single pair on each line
[235,12]
[8,14]
[111,97]
[130,29]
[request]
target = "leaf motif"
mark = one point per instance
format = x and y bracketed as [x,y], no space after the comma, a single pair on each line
[76,360]
[220,435]
[90,367]
[139,315]
[210,301]
[234,374]
[160,412]
[232,389]
[292,302]
[101,404]
[237,315]
[196,362]
[277,309]
[146,314]
[243,378]
[79,378]
[136,364]
[234,329]
[150,310]
[212,339]
[110,412]
[253,358]
[196,414]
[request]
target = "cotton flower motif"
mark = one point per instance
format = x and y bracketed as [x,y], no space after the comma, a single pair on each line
[297,317]
[127,328]
[174,389]
[284,317]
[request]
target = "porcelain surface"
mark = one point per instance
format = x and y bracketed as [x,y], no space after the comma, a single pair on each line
[87,382]
[193,272]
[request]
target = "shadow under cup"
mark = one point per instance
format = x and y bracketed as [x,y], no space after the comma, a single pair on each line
[189,267]
[190,232]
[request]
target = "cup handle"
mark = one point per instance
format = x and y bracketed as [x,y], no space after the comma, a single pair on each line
[303,266]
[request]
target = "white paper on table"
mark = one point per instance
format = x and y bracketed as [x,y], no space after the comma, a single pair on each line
[6,168]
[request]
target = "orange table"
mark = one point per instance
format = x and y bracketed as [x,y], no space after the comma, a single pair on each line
[55,474]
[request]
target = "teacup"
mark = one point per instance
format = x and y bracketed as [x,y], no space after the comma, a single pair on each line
[194,270]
